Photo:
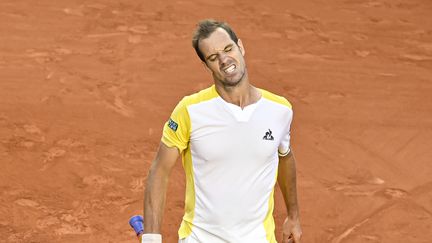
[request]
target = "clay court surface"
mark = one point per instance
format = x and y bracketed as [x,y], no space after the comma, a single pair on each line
[85,87]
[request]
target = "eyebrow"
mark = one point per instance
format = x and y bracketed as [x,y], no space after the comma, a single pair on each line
[227,46]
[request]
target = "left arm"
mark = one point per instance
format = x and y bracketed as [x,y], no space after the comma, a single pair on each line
[288,184]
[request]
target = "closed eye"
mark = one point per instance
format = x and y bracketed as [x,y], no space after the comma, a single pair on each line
[212,58]
[228,48]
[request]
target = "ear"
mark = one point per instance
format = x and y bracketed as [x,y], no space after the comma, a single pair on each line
[241,47]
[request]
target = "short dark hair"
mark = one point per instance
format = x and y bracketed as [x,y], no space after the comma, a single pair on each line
[205,28]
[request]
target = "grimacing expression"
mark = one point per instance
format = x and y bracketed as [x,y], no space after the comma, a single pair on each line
[223,57]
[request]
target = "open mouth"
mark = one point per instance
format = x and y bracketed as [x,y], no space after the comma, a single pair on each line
[229,69]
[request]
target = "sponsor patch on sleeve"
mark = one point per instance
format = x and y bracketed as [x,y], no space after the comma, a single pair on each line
[172,124]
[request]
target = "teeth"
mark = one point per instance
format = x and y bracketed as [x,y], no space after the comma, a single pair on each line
[230,69]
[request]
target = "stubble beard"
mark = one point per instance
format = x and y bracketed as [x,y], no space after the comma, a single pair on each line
[231,84]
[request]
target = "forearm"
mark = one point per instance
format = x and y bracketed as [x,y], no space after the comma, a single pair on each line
[154,201]
[287,180]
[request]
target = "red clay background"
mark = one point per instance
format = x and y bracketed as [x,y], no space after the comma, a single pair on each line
[85,87]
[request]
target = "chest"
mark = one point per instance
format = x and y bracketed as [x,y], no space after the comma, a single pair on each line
[217,135]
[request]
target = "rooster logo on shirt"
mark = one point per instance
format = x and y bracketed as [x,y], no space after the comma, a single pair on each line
[268,135]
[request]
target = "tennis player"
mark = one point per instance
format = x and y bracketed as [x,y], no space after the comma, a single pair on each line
[234,140]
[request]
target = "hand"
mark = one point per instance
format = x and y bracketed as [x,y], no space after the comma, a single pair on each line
[291,231]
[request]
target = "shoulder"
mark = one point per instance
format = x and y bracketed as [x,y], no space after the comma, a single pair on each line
[275,98]
[199,97]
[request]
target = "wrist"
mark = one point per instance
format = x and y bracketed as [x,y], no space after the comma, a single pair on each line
[151,238]
[293,215]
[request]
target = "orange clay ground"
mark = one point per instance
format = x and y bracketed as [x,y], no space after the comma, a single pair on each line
[85,87]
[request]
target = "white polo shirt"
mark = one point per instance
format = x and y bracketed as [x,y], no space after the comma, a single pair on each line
[230,157]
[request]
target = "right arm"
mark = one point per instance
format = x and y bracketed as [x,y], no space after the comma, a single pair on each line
[156,187]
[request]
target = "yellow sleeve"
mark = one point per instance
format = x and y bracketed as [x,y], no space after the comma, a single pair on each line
[176,130]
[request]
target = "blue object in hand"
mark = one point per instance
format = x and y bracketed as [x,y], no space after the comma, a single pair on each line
[136,222]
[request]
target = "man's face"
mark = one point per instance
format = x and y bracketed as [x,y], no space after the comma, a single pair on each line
[224,58]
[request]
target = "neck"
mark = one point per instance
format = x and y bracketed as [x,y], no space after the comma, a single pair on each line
[242,95]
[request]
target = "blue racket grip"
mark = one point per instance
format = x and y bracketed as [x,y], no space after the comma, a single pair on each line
[136,222]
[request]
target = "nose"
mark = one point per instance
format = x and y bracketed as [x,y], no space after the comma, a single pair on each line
[223,59]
